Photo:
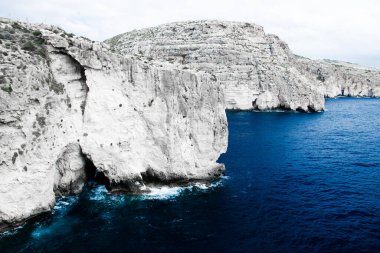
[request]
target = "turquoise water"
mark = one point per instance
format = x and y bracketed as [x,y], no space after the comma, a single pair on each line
[295,182]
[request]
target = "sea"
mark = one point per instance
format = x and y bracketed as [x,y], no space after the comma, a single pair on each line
[294,182]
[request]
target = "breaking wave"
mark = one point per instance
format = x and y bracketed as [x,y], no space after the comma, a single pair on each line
[166,192]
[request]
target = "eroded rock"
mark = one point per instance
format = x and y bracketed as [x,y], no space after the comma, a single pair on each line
[67,101]
[68,104]
[256,70]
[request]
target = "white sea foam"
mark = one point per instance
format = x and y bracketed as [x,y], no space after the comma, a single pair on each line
[65,202]
[165,192]
[11,232]
[98,193]
[101,194]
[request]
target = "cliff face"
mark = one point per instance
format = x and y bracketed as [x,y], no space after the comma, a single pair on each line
[255,70]
[336,78]
[67,103]
[71,108]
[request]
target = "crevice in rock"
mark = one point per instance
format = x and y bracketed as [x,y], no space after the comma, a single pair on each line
[157,178]
[80,69]
[152,177]
[254,105]
[94,175]
[311,108]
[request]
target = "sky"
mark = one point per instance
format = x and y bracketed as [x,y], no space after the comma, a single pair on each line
[325,29]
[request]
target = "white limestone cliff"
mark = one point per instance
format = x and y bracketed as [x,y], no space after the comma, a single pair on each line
[67,101]
[335,78]
[255,69]
[70,106]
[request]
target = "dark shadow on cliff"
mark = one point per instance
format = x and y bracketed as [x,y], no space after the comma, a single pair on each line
[94,175]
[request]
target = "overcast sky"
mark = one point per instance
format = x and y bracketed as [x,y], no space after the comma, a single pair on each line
[335,29]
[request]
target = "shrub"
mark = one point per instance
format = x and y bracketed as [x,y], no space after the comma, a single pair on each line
[42,53]
[16,26]
[37,33]
[39,41]
[28,46]
[7,89]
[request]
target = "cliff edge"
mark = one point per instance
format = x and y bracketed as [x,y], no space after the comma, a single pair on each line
[145,108]
[69,105]
[256,70]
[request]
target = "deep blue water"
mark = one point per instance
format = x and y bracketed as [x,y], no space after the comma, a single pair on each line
[295,183]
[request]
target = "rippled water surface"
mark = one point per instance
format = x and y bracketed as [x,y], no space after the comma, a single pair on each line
[295,183]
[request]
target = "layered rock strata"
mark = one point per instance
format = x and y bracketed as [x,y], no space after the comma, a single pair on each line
[67,101]
[256,70]
[146,108]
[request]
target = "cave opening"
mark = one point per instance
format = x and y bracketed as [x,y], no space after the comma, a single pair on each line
[94,175]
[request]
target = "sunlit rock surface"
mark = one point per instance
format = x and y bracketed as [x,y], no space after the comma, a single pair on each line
[65,101]
[147,108]
[256,70]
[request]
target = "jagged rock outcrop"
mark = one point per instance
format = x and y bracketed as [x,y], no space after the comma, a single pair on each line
[68,104]
[256,70]
[335,78]
[65,101]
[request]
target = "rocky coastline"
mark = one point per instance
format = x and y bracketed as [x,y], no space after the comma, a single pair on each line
[144,108]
